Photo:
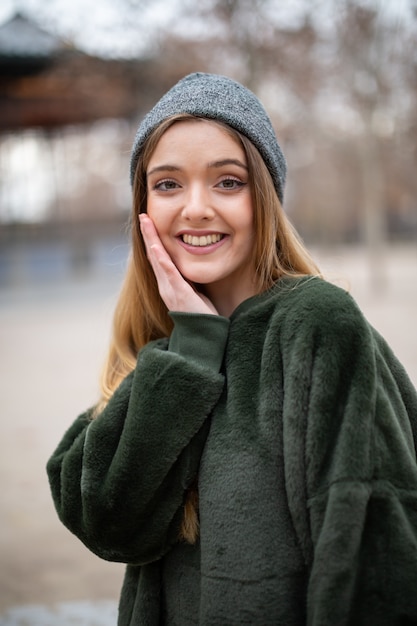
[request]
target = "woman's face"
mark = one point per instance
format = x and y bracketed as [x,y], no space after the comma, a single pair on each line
[199,199]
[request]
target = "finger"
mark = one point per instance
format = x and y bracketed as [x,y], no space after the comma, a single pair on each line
[166,273]
[162,264]
[148,230]
[157,255]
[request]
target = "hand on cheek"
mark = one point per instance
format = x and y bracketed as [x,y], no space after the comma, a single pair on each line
[176,292]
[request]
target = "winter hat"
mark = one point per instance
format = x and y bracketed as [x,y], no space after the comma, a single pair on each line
[218,98]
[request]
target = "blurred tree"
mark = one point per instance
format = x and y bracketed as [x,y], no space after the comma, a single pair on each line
[246,38]
[370,72]
[363,71]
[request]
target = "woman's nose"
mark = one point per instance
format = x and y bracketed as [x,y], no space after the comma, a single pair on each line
[197,204]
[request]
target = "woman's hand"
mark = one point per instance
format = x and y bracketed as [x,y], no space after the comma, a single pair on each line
[174,290]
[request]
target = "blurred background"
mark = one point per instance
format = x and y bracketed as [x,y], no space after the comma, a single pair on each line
[339,79]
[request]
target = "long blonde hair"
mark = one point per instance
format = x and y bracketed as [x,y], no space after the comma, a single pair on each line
[141,315]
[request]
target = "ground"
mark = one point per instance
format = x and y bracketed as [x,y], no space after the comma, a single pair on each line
[53,340]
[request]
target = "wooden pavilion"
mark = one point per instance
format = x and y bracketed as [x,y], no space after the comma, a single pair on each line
[46,82]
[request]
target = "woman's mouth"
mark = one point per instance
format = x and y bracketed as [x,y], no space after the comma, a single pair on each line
[204,240]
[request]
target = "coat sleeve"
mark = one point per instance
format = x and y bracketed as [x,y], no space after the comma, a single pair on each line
[354,409]
[118,481]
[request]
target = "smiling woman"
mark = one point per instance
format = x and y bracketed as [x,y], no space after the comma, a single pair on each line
[253,457]
[201,205]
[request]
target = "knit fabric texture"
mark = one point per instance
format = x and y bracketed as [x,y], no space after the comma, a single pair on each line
[218,98]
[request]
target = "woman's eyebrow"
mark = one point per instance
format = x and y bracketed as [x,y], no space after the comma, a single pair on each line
[163,168]
[223,162]
[175,168]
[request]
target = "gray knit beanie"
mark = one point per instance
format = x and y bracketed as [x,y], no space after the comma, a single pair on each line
[218,98]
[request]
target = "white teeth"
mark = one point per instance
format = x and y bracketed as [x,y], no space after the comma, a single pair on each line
[205,240]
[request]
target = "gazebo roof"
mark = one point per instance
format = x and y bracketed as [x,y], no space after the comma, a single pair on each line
[26,48]
[46,83]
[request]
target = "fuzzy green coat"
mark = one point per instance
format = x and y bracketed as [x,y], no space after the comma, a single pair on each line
[302,428]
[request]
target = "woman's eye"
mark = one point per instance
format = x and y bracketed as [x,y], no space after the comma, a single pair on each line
[165,185]
[231,183]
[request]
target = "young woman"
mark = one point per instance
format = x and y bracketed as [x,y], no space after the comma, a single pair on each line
[252,458]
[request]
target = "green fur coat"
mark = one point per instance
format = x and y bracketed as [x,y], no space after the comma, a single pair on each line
[301,426]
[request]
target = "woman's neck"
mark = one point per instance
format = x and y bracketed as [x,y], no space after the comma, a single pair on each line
[225,298]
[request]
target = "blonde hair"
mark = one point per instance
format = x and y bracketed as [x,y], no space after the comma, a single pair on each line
[141,315]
